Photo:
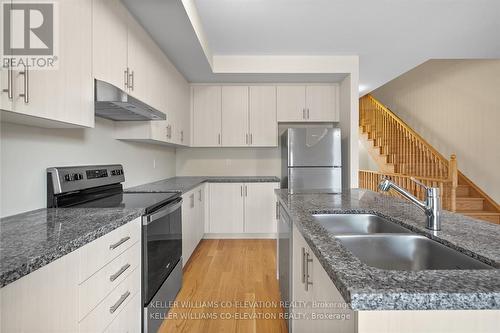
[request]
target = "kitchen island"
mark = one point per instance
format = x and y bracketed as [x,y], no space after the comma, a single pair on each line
[379,299]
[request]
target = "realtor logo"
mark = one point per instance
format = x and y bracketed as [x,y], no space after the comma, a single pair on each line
[29,34]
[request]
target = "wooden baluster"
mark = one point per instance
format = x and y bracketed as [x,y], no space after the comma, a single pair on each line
[453,172]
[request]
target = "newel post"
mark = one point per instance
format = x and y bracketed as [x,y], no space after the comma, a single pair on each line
[453,174]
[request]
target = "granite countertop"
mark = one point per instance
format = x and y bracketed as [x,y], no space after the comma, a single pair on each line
[32,240]
[185,184]
[368,288]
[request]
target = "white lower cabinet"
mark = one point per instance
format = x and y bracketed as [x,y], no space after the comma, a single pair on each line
[242,209]
[93,289]
[129,319]
[226,208]
[319,305]
[193,221]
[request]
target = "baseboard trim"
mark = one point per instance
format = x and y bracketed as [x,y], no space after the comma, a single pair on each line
[239,236]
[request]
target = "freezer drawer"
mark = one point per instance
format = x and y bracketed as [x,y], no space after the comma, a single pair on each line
[318,147]
[315,179]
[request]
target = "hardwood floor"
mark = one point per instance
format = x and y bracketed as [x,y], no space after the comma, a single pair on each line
[229,286]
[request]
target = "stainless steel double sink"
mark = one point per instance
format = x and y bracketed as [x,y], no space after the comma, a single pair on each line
[383,244]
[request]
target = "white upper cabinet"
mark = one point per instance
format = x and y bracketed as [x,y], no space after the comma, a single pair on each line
[109,38]
[235,116]
[291,103]
[143,65]
[263,126]
[63,96]
[322,103]
[207,116]
[308,103]
[127,57]
[6,76]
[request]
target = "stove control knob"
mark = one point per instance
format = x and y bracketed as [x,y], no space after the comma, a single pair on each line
[77,176]
[68,178]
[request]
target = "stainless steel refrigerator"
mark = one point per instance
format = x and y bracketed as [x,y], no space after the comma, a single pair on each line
[311,160]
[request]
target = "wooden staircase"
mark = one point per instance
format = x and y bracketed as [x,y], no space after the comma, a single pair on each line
[402,154]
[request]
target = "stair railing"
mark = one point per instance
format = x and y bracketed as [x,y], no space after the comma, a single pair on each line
[411,155]
[407,150]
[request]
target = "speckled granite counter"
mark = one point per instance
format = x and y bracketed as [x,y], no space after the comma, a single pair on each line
[185,184]
[369,288]
[32,240]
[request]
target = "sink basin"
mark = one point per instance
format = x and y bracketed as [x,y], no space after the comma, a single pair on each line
[406,252]
[341,224]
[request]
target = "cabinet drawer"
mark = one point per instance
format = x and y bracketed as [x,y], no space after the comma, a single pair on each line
[95,289]
[113,304]
[98,253]
[129,319]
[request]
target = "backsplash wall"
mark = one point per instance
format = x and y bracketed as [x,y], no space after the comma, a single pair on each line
[27,151]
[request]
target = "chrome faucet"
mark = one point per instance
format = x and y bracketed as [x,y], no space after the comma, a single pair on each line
[431,206]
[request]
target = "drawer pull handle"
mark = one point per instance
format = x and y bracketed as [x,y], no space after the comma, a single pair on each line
[120,242]
[120,272]
[122,299]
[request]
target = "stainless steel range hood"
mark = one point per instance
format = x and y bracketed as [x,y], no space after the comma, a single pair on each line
[113,103]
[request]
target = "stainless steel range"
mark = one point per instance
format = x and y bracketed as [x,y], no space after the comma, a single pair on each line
[100,186]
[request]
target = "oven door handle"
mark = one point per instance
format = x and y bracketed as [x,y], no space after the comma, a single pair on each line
[170,208]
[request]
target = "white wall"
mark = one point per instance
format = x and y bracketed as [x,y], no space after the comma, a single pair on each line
[27,151]
[366,162]
[455,105]
[228,162]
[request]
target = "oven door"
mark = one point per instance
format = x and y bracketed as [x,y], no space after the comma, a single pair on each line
[162,247]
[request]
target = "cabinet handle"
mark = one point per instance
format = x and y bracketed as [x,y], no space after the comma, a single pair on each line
[122,299]
[307,260]
[251,138]
[125,79]
[9,82]
[246,138]
[182,136]
[199,198]
[219,139]
[303,266]
[246,191]
[303,113]
[26,93]
[131,81]
[120,242]
[120,272]
[277,211]
[241,190]
[308,113]
[192,200]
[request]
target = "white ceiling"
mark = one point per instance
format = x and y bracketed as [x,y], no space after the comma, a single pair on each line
[390,36]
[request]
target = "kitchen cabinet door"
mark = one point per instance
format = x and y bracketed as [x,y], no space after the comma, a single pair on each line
[200,212]
[109,42]
[65,94]
[291,103]
[129,319]
[177,92]
[324,292]
[141,63]
[188,225]
[260,208]
[263,126]
[235,116]
[226,208]
[300,296]
[207,116]
[322,103]
[6,76]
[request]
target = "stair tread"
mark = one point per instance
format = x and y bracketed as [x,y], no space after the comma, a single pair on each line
[469,199]
[478,212]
